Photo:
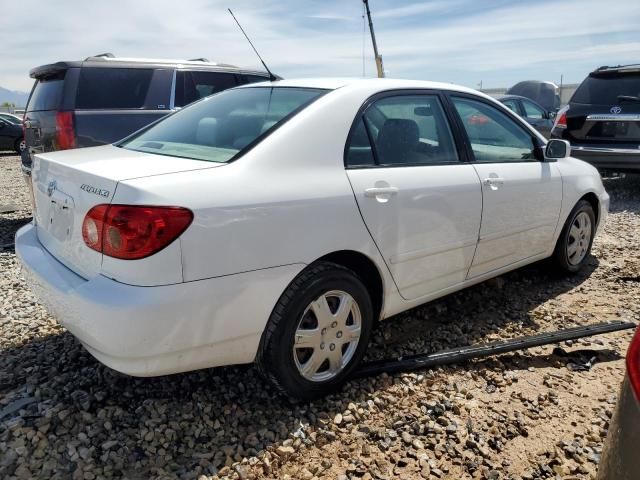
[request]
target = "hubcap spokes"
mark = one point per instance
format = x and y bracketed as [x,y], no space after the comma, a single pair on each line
[327,336]
[579,238]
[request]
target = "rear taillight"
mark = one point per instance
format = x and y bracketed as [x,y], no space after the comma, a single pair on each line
[633,364]
[561,118]
[130,232]
[65,133]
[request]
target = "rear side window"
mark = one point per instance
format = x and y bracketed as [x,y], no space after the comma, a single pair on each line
[218,128]
[192,86]
[47,94]
[404,129]
[605,89]
[105,88]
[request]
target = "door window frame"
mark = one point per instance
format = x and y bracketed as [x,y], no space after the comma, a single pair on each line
[460,148]
[538,145]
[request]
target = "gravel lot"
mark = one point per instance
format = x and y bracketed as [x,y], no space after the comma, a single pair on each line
[525,415]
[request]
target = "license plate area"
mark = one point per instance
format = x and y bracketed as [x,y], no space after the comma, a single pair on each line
[614,129]
[60,221]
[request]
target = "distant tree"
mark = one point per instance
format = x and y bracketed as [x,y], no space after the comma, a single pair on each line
[7,104]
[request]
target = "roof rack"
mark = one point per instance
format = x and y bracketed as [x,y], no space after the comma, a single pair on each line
[103,55]
[632,66]
[201,59]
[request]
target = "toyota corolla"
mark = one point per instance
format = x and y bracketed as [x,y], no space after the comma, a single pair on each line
[278,222]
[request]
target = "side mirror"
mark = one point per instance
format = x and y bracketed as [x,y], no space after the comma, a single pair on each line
[557,149]
[551,115]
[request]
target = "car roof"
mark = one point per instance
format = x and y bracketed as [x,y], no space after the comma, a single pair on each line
[633,68]
[108,60]
[333,83]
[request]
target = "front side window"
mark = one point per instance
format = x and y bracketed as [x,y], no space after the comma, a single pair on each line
[192,86]
[403,129]
[217,128]
[106,88]
[494,136]
[532,110]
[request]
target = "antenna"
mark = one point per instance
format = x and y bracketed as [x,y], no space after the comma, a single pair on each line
[272,77]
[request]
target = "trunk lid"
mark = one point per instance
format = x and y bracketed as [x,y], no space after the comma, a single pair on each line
[606,109]
[68,184]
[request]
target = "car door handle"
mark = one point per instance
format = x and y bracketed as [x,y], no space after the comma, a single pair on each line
[492,181]
[375,191]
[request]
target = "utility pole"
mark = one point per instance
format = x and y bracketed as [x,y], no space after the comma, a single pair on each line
[378,57]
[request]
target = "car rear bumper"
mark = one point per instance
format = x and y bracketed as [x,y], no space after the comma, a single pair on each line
[619,159]
[149,331]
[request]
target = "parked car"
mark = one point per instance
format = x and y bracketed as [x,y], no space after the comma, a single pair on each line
[277,223]
[11,118]
[543,93]
[602,119]
[620,459]
[534,114]
[11,136]
[104,98]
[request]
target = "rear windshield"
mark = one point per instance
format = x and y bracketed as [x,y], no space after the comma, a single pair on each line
[47,94]
[104,88]
[605,90]
[217,128]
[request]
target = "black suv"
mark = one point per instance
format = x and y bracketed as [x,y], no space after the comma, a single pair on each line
[104,99]
[602,119]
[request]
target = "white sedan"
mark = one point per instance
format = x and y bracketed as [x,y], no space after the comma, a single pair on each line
[278,222]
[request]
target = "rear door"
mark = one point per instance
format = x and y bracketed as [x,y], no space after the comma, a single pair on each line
[420,201]
[521,196]
[605,109]
[194,85]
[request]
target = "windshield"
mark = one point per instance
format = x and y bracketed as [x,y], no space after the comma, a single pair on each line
[217,128]
[605,90]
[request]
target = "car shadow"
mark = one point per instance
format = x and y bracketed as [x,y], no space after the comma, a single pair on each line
[625,190]
[8,229]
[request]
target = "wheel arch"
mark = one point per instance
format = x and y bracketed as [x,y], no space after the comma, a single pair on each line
[366,269]
[594,201]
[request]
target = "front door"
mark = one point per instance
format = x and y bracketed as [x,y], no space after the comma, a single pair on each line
[420,202]
[521,195]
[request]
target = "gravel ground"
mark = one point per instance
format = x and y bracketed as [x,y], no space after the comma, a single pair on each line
[534,414]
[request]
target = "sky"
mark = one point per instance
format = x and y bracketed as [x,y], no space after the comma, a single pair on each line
[496,42]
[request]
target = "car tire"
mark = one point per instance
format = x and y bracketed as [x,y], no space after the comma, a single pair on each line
[325,357]
[574,244]
[19,146]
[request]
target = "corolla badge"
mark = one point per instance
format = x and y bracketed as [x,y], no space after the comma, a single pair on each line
[95,190]
[51,187]
[616,109]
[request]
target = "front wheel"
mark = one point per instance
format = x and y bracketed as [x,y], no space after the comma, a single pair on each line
[19,145]
[317,333]
[576,238]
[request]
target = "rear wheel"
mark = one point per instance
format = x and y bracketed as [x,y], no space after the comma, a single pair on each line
[318,332]
[576,238]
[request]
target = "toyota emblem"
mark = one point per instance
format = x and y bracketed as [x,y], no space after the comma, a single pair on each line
[51,187]
[616,109]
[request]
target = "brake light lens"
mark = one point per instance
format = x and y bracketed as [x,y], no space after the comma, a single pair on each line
[131,232]
[561,118]
[65,134]
[633,364]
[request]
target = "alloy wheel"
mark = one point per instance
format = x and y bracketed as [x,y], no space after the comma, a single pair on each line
[579,238]
[327,336]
